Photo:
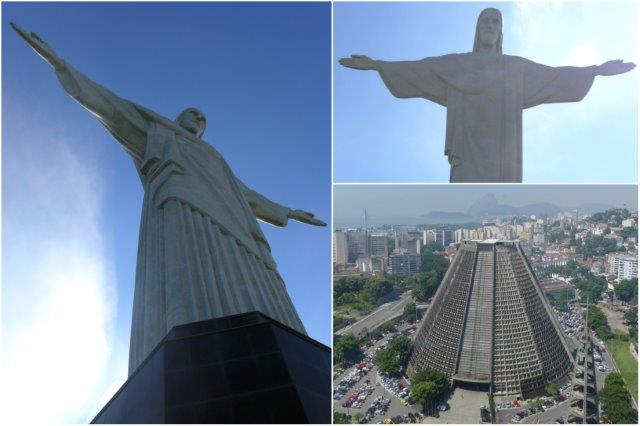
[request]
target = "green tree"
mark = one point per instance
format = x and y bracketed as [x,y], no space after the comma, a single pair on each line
[347,348]
[552,389]
[425,393]
[627,290]
[435,380]
[425,285]
[591,287]
[629,232]
[410,312]
[598,321]
[597,245]
[341,418]
[401,346]
[357,417]
[616,401]
[430,262]
[340,321]
[386,361]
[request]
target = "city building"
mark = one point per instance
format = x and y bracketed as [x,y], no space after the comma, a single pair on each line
[444,237]
[489,326]
[378,245]
[340,248]
[357,244]
[428,236]
[623,265]
[403,263]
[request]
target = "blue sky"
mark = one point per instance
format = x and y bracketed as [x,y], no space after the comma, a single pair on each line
[72,198]
[379,138]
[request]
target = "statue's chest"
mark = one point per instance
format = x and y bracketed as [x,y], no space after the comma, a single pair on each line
[490,80]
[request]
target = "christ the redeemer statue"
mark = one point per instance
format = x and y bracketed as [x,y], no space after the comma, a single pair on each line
[484,93]
[201,253]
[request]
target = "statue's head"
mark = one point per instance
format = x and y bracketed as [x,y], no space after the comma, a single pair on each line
[192,120]
[489,31]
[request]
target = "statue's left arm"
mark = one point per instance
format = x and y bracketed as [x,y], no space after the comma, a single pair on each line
[274,213]
[544,84]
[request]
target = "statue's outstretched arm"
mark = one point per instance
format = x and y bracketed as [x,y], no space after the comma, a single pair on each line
[120,116]
[274,213]
[615,67]
[359,62]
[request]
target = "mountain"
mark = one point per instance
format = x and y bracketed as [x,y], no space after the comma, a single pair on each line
[591,208]
[437,217]
[488,205]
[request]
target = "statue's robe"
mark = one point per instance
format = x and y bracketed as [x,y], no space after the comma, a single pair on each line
[484,96]
[201,252]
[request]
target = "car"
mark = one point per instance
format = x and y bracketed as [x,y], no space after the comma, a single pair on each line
[442,407]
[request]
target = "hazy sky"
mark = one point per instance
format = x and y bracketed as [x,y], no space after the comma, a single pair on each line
[72,198]
[379,138]
[397,202]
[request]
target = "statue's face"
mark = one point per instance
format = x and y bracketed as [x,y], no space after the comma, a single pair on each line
[193,121]
[489,26]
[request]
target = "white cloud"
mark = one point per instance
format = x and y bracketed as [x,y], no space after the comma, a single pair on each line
[584,55]
[58,295]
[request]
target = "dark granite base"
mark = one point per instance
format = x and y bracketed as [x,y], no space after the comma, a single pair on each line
[244,368]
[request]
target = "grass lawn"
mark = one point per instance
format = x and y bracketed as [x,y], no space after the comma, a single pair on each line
[626,363]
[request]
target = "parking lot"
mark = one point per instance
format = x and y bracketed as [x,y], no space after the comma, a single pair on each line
[361,389]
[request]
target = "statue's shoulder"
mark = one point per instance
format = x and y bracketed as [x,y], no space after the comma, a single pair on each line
[515,59]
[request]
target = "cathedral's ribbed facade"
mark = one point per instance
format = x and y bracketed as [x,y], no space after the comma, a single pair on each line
[490,326]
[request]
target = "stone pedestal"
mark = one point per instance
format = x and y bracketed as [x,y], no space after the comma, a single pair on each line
[245,368]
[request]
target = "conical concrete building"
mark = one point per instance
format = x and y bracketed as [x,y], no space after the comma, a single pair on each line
[490,327]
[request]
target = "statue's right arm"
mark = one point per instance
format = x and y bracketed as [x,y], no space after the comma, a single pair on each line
[359,62]
[118,115]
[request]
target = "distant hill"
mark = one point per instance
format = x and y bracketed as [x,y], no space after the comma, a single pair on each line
[488,205]
[591,208]
[437,217]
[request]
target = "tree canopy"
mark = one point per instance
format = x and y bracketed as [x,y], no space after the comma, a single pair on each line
[363,293]
[616,401]
[428,385]
[627,290]
[347,348]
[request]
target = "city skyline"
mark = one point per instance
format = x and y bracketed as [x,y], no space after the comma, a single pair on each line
[408,204]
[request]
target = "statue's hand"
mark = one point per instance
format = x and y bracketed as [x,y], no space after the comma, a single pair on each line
[358,62]
[615,67]
[305,217]
[42,48]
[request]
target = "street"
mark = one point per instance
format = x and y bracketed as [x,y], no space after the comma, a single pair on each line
[384,313]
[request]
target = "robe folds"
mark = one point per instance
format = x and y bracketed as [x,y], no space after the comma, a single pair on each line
[484,96]
[201,252]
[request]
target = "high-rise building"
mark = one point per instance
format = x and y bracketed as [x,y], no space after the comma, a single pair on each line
[461,235]
[378,245]
[357,244]
[402,241]
[444,237]
[623,265]
[404,264]
[428,236]
[489,325]
[340,248]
